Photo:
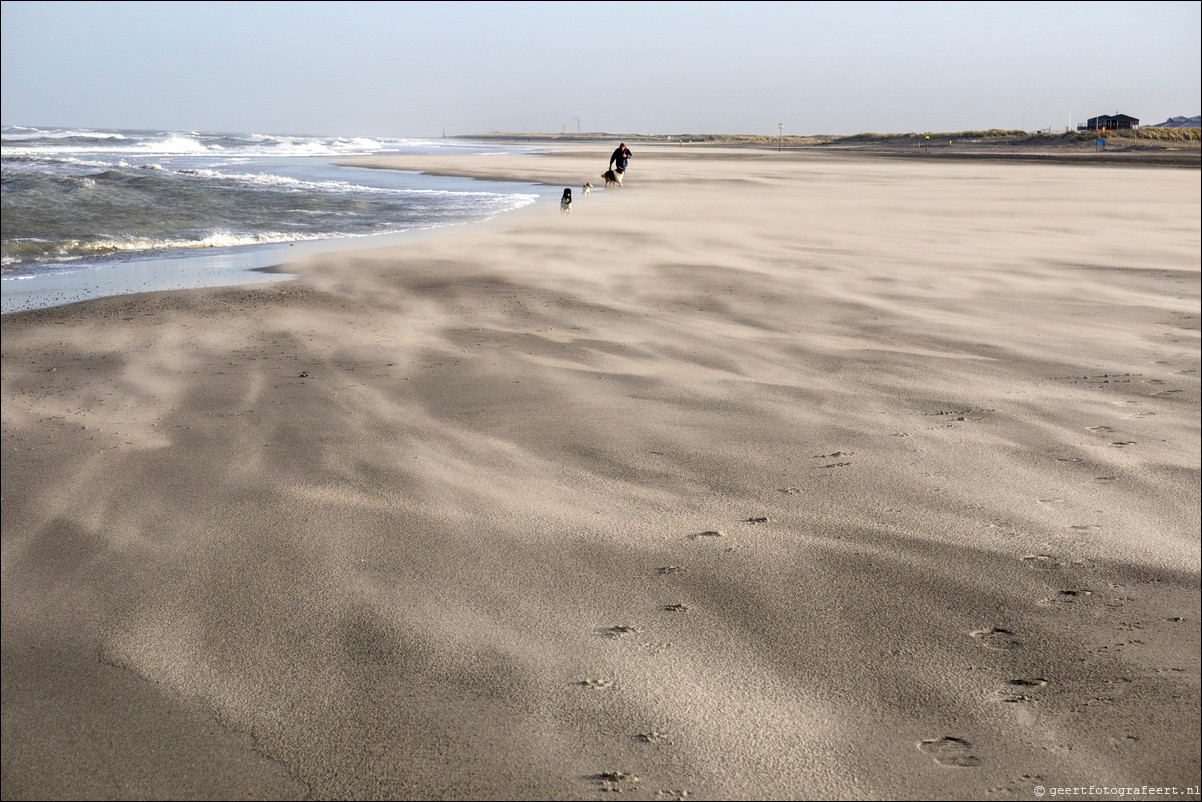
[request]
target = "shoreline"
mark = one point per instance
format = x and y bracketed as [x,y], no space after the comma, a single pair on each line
[240,267]
[756,478]
[168,263]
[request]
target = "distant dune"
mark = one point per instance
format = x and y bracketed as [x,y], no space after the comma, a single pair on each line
[1177,146]
[1180,122]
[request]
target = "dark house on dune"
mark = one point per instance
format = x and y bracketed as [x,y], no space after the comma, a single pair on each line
[1109,122]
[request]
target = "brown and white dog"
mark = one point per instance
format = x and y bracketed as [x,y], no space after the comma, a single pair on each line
[612,177]
[586,190]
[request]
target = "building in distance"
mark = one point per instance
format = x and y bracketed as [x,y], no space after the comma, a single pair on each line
[1109,122]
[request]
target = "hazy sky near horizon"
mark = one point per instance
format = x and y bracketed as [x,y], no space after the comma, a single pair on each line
[423,68]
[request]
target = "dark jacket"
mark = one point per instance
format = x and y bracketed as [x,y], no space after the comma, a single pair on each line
[621,156]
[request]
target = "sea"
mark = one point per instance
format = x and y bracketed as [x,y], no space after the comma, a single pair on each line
[94,212]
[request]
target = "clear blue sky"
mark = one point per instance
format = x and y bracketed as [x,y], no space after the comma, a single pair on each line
[417,69]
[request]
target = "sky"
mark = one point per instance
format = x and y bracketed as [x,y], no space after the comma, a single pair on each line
[422,69]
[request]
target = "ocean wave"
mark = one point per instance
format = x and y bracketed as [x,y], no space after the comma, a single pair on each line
[35,142]
[71,202]
[172,146]
[273,181]
[317,146]
[24,251]
[22,133]
[42,142]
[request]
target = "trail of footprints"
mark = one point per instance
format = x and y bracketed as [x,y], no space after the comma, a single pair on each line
[951,751]
[956,752]
[948,751]
[615,780]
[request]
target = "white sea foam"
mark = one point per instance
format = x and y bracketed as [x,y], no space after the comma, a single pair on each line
[19,132]
[173,146]
[279,181]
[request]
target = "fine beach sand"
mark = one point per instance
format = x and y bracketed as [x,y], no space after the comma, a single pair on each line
[765,476]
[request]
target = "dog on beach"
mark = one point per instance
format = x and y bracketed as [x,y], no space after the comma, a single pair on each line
[565,203]
[612,177]
[586,190]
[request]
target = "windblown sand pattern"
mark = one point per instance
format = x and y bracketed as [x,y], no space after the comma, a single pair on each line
[862,478]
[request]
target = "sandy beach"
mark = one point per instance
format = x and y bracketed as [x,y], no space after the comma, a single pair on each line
[766,476]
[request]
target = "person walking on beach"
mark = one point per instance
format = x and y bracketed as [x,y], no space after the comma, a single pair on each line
[620,157]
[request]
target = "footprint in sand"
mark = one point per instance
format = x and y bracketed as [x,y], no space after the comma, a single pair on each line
[596,684]
[1099,428]
[759,519]
[997,638]
[709,533]
[1067,597]
[653,737]
[671,569]
[677,608]
[948,751]
[789,491]
[619,631]
[1017,690]
[615,780]
[1122,443]
[843,463]
[1045,562]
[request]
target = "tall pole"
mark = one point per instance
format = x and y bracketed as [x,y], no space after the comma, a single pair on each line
[780,132]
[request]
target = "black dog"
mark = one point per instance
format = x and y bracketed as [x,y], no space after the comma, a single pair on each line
[565,203]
